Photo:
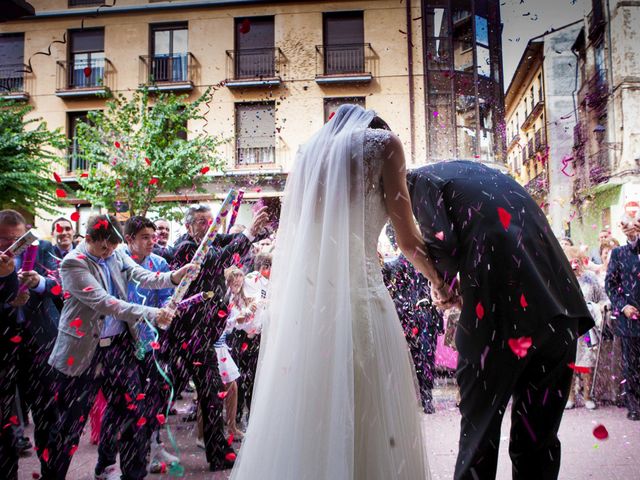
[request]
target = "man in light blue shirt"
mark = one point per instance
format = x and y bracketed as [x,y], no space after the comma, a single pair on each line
[139,235]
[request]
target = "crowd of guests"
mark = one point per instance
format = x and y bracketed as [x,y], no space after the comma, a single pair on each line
[86,334]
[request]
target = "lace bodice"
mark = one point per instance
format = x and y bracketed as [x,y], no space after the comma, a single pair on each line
[375,214]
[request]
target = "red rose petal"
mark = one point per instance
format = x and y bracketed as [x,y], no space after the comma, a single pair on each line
[600,432]
[243,347]
[58,228]
[75,216]
[161,419]
[14,419]
[147,161]
[231,457]
[245,26]
[332,114]
[35,475]
[56,290]
[128,398]
[66,295]
[88,289]
[16,339]
[70,361]
[86,71]
[60,193]
[84,175]
[520,346]
[479,310]
[222,313]
[184,345]
[73,450]
[440,236]
[414,331]
[523,301]
[117,144]
[230,439]
[204,170]
[153,181]
[141,421]
[76,322]
[222,395]
[140,396]
[45,455]
[154,345]
[56,177]
[505,217]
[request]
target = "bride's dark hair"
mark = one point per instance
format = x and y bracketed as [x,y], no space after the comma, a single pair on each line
[377,122]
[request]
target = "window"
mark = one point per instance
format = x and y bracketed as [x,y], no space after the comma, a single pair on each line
[438,41]
[75,160]
[600,65]
[343,43]
[255,133]
[11,63]
[332,104]
[169,52]
[86,58]
[254,45]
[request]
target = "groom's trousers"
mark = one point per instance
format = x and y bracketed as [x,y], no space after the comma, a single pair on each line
[539,385]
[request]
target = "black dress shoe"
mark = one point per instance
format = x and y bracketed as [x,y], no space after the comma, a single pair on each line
[633,416]
[223,464]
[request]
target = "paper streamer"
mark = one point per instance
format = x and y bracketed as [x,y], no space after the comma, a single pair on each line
[236,209]
[201,253]
[194,300]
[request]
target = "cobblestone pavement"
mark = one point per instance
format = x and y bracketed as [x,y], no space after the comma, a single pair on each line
[583,456]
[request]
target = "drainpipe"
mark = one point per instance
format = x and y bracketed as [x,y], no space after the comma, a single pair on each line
[412,131]
[611,87]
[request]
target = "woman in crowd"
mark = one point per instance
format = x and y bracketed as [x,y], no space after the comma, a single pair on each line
[586,355]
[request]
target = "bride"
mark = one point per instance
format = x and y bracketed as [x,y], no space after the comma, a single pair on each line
[334,397]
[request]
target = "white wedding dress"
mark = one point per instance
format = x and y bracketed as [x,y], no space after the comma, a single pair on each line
[335,396]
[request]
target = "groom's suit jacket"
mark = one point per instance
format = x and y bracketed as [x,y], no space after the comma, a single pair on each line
[514,277]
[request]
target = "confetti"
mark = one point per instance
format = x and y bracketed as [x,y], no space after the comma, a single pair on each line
[600,432]
[505,217]
[440,236]
[520,346]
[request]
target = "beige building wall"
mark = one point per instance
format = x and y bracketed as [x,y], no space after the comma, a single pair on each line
[299,99]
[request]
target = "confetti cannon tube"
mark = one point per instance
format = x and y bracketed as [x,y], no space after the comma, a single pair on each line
[236,209]
[203,249]
[195,300]
[28,263]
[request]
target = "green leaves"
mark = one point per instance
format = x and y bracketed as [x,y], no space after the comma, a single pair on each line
[138,149]
[28,153]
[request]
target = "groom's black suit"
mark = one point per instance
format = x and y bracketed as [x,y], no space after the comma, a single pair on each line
[515,281]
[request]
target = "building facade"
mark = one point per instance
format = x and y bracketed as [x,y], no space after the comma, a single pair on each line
[606,152]
[540,120]
[280,69]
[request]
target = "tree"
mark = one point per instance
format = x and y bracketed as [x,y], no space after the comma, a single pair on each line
[28,154]
[137,148]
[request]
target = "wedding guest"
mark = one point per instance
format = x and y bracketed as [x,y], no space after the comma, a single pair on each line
[162,247]
[96,345]
[62,232]
[587,348]
[608,375]
[623,288]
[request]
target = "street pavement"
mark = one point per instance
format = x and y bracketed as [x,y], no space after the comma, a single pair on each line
[583,456]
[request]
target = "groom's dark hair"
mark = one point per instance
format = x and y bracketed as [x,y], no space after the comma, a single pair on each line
[377,122]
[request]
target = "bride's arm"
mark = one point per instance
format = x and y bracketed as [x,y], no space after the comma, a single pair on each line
[398,204]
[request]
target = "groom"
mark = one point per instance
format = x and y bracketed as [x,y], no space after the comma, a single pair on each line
[522,312]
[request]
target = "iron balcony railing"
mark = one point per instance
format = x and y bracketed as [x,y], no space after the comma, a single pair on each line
[159,69]
[247,155]
[538,185]
[599,168]
[254,63]
[75,161]
[85,3]
[347,59]
[95,73]
[12,78]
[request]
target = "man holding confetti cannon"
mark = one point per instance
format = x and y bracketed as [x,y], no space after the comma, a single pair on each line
[96,346]
[195,329]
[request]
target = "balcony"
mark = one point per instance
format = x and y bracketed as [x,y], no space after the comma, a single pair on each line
[514,141]
[531,149]
[530,118]
[75,161]
[596,20]
[579,138]
[599,168]
[340,64]
[161,73]
[254,68]
[13,82]
[538,186]
[247,156]
[82,79]
[597,91]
